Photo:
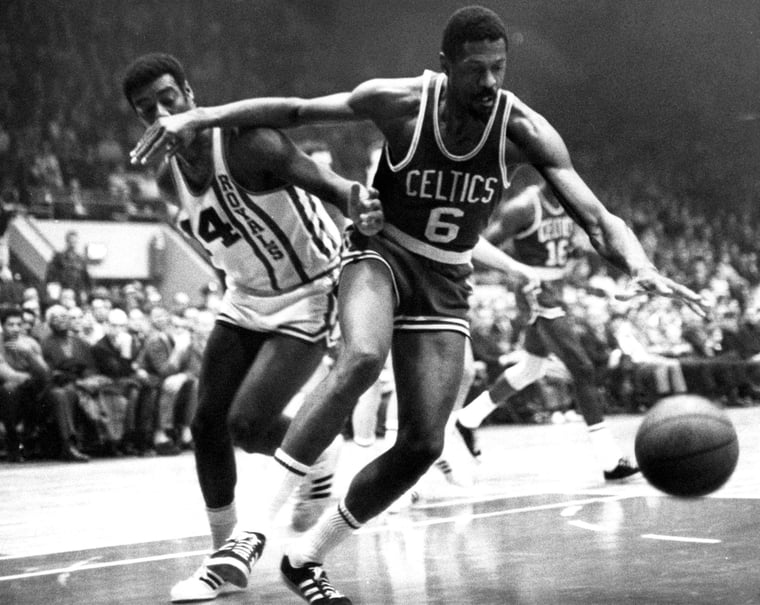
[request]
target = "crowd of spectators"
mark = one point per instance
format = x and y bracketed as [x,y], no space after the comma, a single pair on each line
[644,348]
[65,132]
[110,372]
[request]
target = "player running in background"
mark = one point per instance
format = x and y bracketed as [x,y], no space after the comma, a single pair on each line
[541,232]
[453,140]
[252,199]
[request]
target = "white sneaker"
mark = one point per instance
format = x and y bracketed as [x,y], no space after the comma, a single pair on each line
[313,495]
[203,585]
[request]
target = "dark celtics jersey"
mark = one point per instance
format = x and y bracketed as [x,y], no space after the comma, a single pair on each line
[437,203]
[545,246]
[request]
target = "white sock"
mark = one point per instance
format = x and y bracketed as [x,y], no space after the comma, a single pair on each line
[285,474]
[332,528]
[606,450]
[473,415]
[222,522]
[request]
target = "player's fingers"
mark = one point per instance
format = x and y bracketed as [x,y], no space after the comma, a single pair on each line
[146,141]
[354,195]
[370,223]
[164,146]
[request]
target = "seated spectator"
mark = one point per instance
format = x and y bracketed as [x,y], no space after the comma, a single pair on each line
[35,400]
[653,375]
[138,327]
[76,321]
[31,321]
[68,298]
[76,203]
[716,368]
[100,305]
[166,356]
[46,169]
[74,372]
[131,387]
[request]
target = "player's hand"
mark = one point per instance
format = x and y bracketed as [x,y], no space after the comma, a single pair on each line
[365,210]
[650,281]
[165,137]
[527,297]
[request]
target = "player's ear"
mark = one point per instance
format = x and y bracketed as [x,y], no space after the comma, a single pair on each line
[189,92]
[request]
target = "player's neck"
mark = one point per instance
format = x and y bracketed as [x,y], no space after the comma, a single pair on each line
[459,127]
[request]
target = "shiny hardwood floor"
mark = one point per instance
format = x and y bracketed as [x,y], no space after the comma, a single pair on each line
[538,526]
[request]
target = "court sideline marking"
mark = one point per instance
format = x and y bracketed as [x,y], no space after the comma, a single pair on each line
[77,567]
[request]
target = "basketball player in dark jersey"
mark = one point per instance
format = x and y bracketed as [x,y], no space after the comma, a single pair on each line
[249,196]
[452,142]
[541,232]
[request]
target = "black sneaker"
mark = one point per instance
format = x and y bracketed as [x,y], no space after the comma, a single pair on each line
[237,556]
[469,438]
[311,584]
[623,469]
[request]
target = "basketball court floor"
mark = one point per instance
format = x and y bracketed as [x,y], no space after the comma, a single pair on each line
[538,526]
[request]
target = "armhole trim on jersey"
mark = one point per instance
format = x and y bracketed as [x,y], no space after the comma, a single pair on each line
[536,219]
[184,190]
[426,75]
[551,209]
[503,140]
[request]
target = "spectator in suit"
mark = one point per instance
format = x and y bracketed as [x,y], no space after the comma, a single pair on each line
[164,356]
[131,386]
[74,372]
[35,400]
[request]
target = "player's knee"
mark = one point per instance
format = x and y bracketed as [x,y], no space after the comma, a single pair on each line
[244,433]
[360,367]
[420,452]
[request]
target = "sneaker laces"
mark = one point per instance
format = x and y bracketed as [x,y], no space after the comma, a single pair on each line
[244,547]
[323,583]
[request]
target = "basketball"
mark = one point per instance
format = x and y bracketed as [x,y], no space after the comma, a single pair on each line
[686,446]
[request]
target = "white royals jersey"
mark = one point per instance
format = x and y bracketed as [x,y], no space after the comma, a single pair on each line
[267,243]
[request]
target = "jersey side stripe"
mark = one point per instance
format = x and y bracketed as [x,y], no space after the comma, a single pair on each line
[286,244]
[333,245]
[317,232]
[244,232]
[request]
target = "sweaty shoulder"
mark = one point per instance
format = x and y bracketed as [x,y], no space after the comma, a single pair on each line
[387,99]
[535,138]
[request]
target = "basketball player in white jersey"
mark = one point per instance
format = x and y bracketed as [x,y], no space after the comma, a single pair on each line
[252,199]
[453,140]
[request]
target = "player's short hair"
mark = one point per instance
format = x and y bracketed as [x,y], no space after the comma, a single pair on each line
[471,24]
[146,68]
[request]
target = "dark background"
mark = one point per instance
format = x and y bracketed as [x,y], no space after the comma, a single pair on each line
[670,85]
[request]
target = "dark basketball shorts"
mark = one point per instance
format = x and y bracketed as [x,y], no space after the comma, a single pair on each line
[430,295]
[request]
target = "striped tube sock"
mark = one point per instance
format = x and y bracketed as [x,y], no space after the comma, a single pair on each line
[284,474]
[330,530]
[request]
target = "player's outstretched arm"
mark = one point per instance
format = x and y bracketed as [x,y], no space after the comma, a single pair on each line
[519,276]
[544,148]
[276,153]
[169,133]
